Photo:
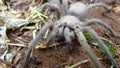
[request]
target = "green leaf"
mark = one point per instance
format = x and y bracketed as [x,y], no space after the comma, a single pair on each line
[112,50]
[87,36]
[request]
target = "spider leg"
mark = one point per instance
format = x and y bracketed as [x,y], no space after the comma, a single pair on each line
[68,39]
[107,7]
[65,6]
[111,17]
[94,21]
[61,31]
[102,46]
[86,47]
[32,44]
[52,35]
[53,4]
[75,9]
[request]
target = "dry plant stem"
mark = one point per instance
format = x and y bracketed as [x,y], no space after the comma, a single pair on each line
[87,48]
[46,34]
[101,45]
[107,40]
[22,40]
[33,43]
[100,22]
[52,45]
[82,62]
[67,39]
[19,45]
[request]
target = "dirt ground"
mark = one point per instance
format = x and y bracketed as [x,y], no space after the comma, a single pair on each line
[56,57]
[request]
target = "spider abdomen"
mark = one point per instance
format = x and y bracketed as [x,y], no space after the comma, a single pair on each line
[78,9]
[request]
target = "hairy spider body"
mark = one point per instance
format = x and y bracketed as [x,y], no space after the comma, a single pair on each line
[74,20]
[73,23]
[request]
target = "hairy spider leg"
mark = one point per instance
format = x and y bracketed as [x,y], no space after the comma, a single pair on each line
[75,9]
[68,39]
[100,22]
[53,5]
[102,46]
[34,42]
[107,7]
[87,48]
[61,31]
[111,17]
[52,35]
[65,6]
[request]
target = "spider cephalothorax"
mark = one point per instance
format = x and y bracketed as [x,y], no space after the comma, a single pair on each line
[74,20]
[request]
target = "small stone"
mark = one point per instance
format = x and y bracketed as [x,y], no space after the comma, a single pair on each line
[116,10]
[38,61]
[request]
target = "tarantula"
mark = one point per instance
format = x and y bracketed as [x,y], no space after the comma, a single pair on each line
[74,21]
